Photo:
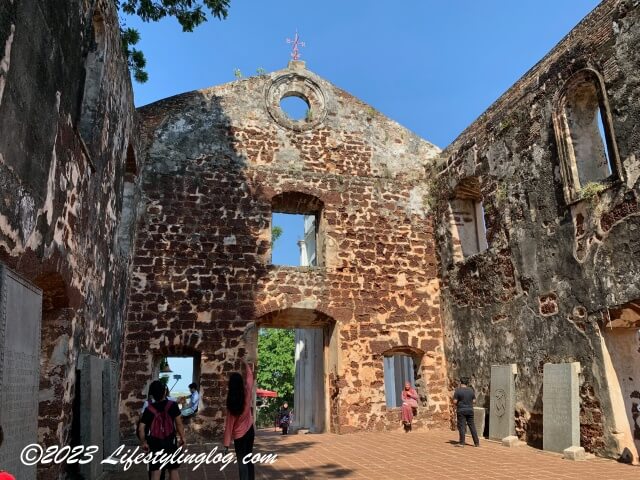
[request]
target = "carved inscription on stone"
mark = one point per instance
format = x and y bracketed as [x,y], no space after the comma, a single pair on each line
[20,313]
[561,407]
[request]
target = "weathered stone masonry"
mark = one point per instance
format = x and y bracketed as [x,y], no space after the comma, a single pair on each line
[554,278]
[562,271]
[217,160]
[65,143]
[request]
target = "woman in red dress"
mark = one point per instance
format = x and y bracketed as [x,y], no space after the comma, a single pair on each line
[409,403]
[4,475]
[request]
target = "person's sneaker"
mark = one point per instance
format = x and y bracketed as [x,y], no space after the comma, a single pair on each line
[460,445]
[477,445]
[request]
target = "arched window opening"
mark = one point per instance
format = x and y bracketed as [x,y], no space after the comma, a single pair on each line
[128,212]
[131,164]
[94,66]
[584,134]
[399,368]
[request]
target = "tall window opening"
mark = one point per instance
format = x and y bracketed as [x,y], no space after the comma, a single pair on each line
[467,220]
[398,370]
[127,212]
[584,134]
[94,66]
[296,229]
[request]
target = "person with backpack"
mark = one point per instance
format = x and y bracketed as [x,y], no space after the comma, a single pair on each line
[4,475]
[239,423]
[162,420]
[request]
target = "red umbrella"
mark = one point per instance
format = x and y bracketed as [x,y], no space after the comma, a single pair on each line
[265,393]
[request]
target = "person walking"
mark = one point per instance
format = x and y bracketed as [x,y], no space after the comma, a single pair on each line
[157,430]
[239,423]
[464,398]
[284,418]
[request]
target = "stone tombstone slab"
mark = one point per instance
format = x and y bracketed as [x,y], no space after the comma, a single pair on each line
[502,402]
[110,419]
[90,369]
[479,418]
[20,316]
[560,406]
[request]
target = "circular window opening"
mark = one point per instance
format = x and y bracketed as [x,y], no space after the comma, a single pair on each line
[295,108]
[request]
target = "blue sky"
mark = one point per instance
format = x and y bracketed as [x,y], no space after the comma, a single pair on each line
[182,366]
[433,66]
[286,250]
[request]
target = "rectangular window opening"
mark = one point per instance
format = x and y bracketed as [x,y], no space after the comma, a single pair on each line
[468,228]
[184,371]
[294,240]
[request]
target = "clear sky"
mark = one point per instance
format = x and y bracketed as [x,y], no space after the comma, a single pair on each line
[432,65]
[182,366]
[286,250]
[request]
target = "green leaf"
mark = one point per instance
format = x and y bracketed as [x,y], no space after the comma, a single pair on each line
[189,13]
[276,233]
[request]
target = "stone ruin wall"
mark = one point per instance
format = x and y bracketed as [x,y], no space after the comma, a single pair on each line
[542,290]
[63,151]
[215,162]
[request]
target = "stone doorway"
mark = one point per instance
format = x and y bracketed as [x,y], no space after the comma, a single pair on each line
[309,389]
[621,338]
[316,357]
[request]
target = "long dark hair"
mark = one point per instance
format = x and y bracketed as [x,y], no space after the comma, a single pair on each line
[235,394]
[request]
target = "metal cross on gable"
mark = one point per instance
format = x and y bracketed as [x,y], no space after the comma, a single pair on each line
[295,53]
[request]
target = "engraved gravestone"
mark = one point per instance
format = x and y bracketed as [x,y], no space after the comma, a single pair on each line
[20,314]
[560,407]
[91,416]
[502,403]
[110,407]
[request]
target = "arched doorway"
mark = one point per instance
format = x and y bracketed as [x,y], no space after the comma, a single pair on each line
[316,358]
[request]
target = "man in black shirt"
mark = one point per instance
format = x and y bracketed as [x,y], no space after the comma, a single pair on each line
[464,398]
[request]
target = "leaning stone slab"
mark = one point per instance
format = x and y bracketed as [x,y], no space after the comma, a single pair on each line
[511,441]
[560,407]
[502,403]
[478,419]
[575,453]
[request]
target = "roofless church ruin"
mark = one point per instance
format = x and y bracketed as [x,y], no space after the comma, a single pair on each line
[127,236]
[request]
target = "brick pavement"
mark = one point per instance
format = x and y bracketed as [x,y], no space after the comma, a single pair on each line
[430,455]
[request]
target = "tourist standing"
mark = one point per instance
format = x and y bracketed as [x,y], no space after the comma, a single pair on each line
[284,418]
[239,423]
[157,430]
[409,403]
[194,400]
[464,398]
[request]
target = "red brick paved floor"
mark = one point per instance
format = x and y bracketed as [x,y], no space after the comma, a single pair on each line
[424,455]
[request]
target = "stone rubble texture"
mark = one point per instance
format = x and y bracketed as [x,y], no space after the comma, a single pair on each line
[542,291]
[216,161]
[149,231]
[60,191]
